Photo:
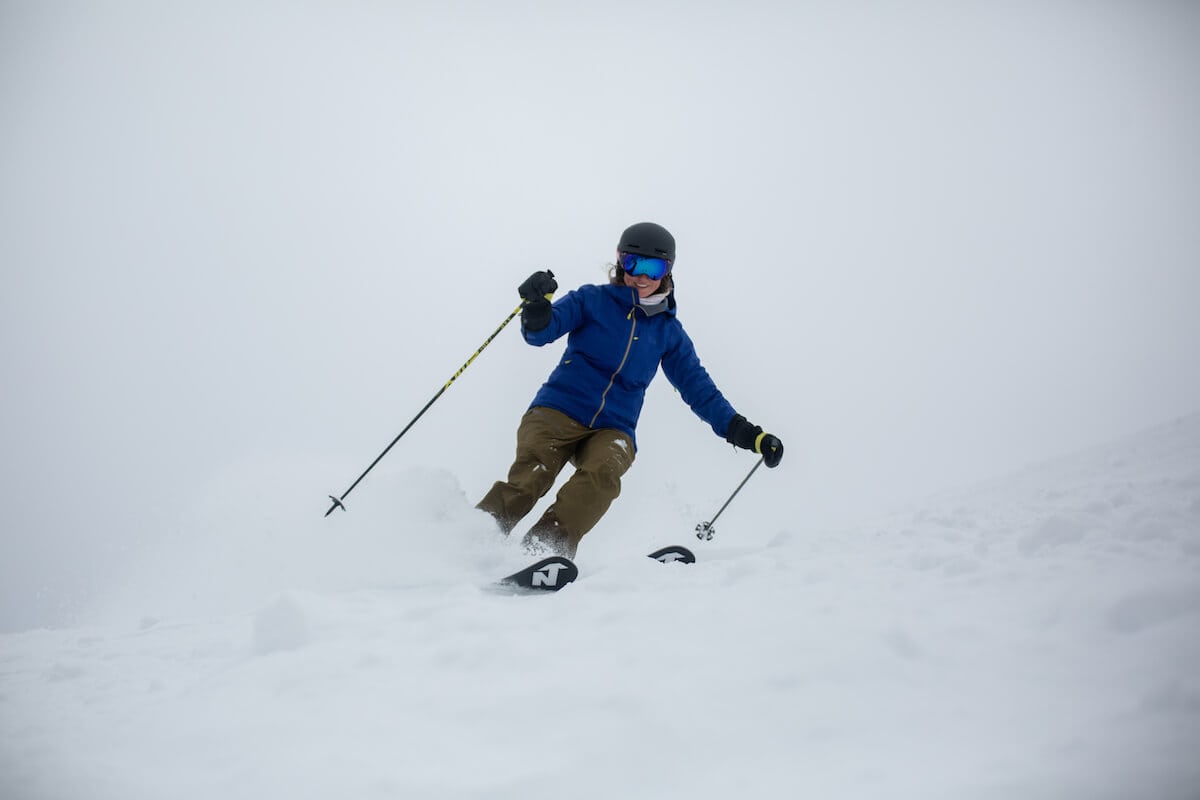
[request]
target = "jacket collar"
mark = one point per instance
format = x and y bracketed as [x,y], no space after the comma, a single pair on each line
[628,298]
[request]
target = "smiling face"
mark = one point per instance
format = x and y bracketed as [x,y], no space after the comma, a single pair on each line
[645,273]
[645,286]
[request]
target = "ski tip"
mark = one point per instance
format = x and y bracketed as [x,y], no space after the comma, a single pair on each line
[674,554]
[548,575]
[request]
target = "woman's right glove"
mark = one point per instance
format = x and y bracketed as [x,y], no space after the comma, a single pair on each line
[751,437]
[537,290]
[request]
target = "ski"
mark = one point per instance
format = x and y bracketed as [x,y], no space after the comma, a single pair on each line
[674,553]
[554,572]
[549,575]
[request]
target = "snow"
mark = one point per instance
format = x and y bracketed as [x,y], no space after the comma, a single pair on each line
[1035,636]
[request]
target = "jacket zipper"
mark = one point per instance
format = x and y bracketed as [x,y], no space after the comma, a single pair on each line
[624,358]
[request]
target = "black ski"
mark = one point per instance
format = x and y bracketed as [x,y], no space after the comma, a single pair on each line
[549,575]
[674,553]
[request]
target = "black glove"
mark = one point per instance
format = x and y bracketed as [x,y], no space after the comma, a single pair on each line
[536,314]
[536,290]
[771,449]
[537,286]
[751,437]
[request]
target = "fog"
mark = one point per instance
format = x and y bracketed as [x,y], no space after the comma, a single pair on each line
[242,244]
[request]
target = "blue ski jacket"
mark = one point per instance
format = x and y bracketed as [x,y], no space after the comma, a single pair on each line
[614,348]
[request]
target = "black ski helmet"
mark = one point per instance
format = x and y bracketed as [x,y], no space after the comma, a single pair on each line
[648,239]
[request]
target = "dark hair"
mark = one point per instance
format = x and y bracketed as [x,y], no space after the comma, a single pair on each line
[616,276]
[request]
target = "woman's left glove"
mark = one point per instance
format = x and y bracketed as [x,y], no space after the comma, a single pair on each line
[771,449]
[751,437]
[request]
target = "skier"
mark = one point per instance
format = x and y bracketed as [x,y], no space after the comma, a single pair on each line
[586,413]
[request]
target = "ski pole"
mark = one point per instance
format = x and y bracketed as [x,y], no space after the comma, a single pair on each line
[337,501]
[705,530]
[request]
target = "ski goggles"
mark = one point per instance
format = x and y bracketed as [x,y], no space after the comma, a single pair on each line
[653,268]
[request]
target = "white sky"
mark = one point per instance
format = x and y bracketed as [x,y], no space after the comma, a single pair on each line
[923,243]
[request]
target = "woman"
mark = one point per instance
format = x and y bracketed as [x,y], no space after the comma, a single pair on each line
[586,413]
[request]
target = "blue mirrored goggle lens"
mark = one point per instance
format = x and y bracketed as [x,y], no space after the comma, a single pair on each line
[652,268]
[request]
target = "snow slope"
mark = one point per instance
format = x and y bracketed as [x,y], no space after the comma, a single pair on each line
[1035,637]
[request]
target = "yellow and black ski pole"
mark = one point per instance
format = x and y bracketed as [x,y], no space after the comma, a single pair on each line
[337,501]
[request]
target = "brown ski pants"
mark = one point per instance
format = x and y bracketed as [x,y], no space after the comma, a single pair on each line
[546,441]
